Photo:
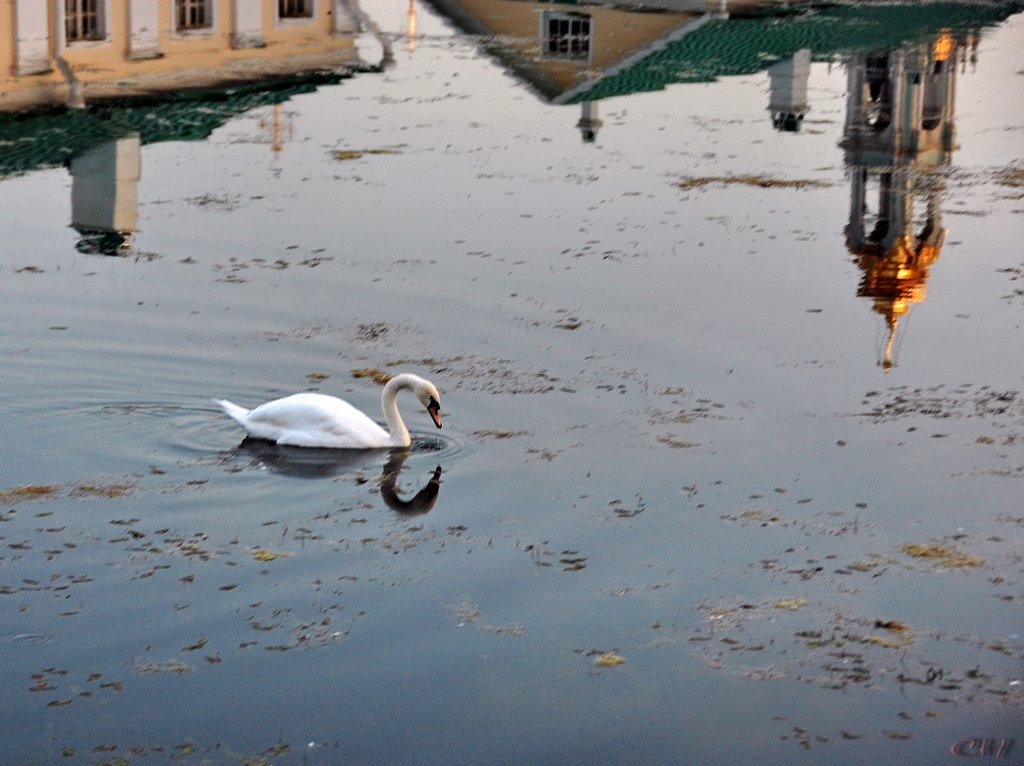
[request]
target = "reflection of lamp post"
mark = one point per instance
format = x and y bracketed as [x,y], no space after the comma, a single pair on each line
[279,130]
[105,194]
[412,26]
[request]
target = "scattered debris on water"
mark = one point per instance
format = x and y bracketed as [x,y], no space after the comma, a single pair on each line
[942,556]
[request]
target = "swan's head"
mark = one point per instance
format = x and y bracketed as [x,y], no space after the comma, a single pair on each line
[431,399]
[424,390]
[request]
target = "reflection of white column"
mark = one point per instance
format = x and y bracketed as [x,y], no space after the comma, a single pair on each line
[346,22]
[248,31]
[105,186]
[33,32]
[144,41]
[788,98]
[589,122]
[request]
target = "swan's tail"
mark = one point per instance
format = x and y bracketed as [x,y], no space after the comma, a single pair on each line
[232,410]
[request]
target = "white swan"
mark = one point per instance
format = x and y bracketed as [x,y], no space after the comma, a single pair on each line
[318,420]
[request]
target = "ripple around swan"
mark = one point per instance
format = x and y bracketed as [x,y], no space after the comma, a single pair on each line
[444,447]
[30,639]
[180,429]
[198,432]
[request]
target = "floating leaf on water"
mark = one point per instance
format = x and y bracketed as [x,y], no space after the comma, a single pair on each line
[377,375]
[111,489]
[942,556]
[674,443]
[168,666]
[884,641]
[897,734]
[763,182]
[58,703]
[28,492]
[791,603]
[608,659]
[489,433]
[317,377]
[894,625]
[262,554]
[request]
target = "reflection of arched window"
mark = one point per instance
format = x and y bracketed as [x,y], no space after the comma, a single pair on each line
[934,89]
[879,102]
[83,20]
[883,211]
[565,35]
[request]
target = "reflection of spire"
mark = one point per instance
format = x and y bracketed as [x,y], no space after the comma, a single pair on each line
[589,122]
[105,194]
[276,145]
[899,128]
[280,130]
[788,91]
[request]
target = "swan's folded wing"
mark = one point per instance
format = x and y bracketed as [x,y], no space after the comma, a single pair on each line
[315,420]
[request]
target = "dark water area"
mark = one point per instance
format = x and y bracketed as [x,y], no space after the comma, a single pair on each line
[726,316]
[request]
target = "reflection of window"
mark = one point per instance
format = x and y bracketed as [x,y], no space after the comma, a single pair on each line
[295,9]
[83,20]
[566,35]
[193,14]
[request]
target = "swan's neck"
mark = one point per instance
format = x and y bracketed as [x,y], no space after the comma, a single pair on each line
[389,402]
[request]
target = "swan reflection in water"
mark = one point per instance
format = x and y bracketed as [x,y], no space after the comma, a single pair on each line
[303,463]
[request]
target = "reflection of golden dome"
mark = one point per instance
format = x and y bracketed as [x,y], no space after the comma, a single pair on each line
[895,278]
[943,47]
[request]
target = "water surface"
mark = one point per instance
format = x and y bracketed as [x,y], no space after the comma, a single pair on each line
[691,422]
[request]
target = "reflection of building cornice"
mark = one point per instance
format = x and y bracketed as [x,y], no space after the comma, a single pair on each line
[703,47]
[155,84]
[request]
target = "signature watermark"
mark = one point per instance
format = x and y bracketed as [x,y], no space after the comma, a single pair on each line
[989,747]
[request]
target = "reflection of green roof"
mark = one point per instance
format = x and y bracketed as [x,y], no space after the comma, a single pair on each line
[738,46]
[46,138]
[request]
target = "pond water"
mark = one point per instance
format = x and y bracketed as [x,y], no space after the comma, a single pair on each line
[731,467]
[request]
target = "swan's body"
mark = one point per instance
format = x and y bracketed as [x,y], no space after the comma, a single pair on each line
[318,420]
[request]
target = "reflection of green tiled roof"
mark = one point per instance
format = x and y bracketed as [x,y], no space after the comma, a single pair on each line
[47,138]
[738,46]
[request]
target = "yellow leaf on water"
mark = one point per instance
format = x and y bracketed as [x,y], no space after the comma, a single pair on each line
[262,554]
[609,659]
[942,556]
[791,603]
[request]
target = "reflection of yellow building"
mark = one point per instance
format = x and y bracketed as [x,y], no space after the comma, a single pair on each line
[74,51]
[562,47]
[899,130]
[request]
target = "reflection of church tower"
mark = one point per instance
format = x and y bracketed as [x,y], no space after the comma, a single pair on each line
[105,194]
[899,128]
[788,90]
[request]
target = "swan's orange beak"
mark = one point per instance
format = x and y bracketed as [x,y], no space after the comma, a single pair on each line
[435,412]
